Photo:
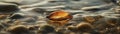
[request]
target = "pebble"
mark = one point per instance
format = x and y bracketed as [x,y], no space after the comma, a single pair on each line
[46,29]
[19,29]
[92,19]
[7,8]
[84,27]
[59,17]
[72,28]
[16,16]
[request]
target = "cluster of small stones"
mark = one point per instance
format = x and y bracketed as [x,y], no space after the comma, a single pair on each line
[12,23]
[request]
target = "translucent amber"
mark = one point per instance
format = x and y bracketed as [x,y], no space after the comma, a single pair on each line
[59,17]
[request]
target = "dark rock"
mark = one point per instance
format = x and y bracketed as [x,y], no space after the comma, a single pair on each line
[111,21]
[97,8]
[46,29]
[72,28]
[16,16]
[1,26]
[34,28]
[104,23]
[18,30]
[6,8]
[91,8]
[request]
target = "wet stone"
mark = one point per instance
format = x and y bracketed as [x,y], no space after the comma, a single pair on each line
[16,16]
[34,28]
[18,29]
[111,21]
[90,9]
[84,27]
[72,28]
[92,19]
[7,8]
[46,29]
[3,16]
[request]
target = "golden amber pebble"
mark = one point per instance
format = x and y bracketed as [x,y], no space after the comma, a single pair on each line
[59,17]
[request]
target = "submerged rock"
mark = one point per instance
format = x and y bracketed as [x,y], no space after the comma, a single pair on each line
[84,27]
[46,29]
[18,29]
[16,16]
[7,8]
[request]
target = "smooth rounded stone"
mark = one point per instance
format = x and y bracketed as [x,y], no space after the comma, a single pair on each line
[59,18]
[46,29]
[34,27]
[72,28]
[7,8]
[92,19]
[84,27]
[19,29]
[16,16]
[59,15]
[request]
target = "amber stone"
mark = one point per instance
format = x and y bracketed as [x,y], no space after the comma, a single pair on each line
[59,17]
